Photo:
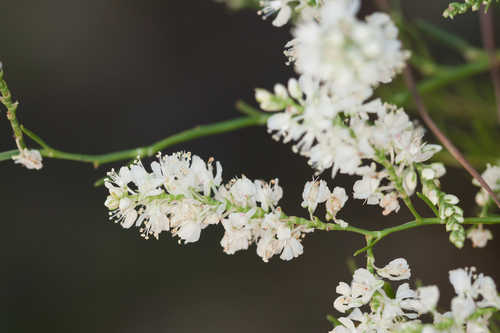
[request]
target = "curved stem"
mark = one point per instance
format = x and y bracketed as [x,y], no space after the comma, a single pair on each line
[196,132]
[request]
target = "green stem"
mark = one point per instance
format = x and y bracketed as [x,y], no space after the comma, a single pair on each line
[6,100]
[194,133]
[370,258]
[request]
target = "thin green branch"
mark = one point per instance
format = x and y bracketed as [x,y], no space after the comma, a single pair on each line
[380,234]
[191,134]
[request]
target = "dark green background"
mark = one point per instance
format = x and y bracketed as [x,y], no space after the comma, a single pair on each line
[98,76]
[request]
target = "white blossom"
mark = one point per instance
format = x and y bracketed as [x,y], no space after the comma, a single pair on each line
[479,236]
[29,158]
[282,7]
[492,177]
[336,201]
[396,270]
[347,53]
[390,203]
[315,192]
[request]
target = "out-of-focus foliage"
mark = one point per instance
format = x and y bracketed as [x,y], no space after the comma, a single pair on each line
[240,4]
[465,110]
[456,8]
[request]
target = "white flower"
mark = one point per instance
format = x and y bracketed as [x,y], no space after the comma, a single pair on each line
[425,300]
[394,307]
[147,183]
[461,308]
[280,6]
[243,192]
[336,201]
[238,232]
[390,203]
[290,243]
[268,101]
[396,270]
[345,301]
[492,177]
[268,194]
[29,158]
[204,179]
[366,189]
[486,287]
[364,284]
[155,219]
[315,192]
[362,288]
[461,280]
[410,181]
[479,236]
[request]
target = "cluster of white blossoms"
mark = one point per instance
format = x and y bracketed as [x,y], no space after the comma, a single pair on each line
[477,298]
[328,113]
[349,137]
[183,195]
[346,54]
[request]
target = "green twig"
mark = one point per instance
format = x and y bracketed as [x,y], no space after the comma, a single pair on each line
[191,134]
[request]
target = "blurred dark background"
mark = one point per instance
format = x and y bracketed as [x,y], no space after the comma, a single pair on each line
[99,76]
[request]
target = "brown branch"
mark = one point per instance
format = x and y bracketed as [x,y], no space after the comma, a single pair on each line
[422,110]
[488,36]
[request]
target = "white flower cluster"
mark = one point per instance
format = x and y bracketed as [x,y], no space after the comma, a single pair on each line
[327,112]
[403,310]
[183,194]
[345,53]
[345,135]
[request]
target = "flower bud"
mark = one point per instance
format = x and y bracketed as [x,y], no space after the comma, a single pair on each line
[280,91]
[428,174]
[294,89]
[410,181]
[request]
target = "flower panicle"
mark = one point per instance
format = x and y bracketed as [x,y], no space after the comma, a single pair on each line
[476,299]
[182,194]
